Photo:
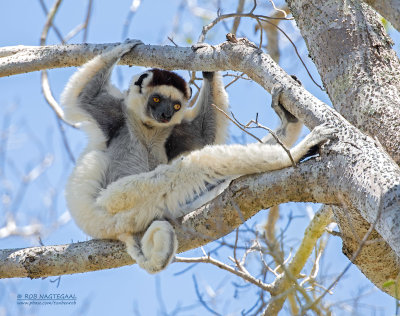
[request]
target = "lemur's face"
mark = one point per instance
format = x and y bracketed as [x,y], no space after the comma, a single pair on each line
[162,108]
[158,97]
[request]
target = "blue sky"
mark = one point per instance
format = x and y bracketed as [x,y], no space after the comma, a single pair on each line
[34,134]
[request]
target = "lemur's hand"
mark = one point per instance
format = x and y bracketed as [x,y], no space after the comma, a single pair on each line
[197,46]
[130,44]
[125,47]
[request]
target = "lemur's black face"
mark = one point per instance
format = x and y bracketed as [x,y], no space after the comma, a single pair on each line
[162,108]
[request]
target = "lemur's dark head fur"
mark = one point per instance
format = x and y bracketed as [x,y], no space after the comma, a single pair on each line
[165,77]
[169,78]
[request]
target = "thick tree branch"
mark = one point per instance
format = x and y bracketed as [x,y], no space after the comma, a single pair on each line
[208,223]
[362,78]
[363,82]
[389,9]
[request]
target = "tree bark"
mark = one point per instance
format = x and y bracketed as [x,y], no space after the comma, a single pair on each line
[389,9]
[361,74]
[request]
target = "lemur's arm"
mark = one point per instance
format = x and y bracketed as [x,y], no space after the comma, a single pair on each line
[89,96]
[204,124]
[172,185]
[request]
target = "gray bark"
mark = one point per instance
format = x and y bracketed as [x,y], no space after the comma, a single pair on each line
[389,9]
[361,74]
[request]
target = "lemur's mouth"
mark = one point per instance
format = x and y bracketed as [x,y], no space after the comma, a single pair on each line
[164,120]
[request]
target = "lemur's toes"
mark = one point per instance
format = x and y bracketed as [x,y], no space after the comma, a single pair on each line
[133,42]
[323,133]
[197,46]
[156,249]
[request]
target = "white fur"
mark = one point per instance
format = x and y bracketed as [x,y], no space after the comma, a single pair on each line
[172,185]
[221,100]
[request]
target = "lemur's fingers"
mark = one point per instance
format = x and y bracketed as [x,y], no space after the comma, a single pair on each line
[131,43]
[208,75]
[280,110]
[317,137]
[125,47]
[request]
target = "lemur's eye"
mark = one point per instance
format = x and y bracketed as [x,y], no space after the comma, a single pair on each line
[156,99]
[177,106]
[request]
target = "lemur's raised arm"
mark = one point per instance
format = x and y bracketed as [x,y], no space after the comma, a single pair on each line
[122,183]
[208,126]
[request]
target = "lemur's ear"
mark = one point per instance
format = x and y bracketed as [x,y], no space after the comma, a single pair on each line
[139,82]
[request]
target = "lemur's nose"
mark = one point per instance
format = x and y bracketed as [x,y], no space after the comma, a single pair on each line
[165,117]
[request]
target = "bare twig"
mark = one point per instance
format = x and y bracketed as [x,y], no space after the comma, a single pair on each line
[259,19]
[238,125]
[258,125]
[46,85]
[132,11]
[83,26]
[355,254]
[208,27]
[221,265]
[236,21]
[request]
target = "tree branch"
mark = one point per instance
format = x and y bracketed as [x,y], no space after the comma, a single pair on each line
[389,9]
[363,82]
[210,222]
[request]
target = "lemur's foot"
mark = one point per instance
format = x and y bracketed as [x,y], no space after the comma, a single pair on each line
[280,110]
[321,134]
[113,201]
[197,46]
[156,249]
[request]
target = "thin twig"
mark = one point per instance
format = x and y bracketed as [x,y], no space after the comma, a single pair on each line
[236,21]
[258,125]
[46,85]
[354,256]
[56,30]
[243,129]
[221,265]
[208,27]
[258,18]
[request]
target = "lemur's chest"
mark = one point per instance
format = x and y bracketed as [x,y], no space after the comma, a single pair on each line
[129,155]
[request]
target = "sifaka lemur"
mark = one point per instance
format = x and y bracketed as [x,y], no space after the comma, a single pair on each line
[149,155]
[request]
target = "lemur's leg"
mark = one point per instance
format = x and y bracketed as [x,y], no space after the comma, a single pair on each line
[221,100]
[290,127]
[156,249]
[91,79]
[172,185]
